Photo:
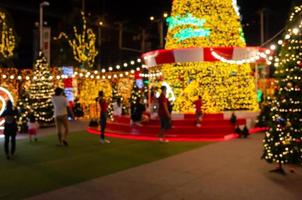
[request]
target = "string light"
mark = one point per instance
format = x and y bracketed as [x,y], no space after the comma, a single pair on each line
[8,41]
[82,44]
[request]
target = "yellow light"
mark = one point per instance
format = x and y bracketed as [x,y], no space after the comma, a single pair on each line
[165,15]
[8,41]
[151,18]
[82,44]
[222,86]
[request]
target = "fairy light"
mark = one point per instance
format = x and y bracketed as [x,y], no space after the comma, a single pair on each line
[8,41]
[83,44]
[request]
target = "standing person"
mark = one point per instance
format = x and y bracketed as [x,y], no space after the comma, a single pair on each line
[60,113]
[32,128]
[198,112]
[10,129]
[164,114]
[103,115]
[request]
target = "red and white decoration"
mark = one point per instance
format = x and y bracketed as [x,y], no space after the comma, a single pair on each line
[231,55]
[4,96]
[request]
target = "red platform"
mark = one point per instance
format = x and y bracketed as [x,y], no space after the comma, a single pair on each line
[213,128]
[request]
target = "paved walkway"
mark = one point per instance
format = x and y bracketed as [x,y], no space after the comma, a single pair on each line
[221,171]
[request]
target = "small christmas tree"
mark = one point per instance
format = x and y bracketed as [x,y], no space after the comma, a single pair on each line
[40,92]
[23,106]
[282,143]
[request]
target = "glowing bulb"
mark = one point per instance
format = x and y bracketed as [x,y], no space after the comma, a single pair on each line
[273,47]
[295,31]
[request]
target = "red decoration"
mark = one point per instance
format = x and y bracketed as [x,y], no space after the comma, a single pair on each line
[183,55]
[137,75]
[68,83]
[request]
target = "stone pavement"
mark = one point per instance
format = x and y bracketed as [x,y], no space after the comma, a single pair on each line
[221,171]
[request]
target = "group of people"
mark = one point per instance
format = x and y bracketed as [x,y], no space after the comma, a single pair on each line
[10,125]
[138,115]
[61,107]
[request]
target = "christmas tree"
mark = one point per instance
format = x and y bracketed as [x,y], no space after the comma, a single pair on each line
[208,23]
[40,92]
[23,106]
[282,143]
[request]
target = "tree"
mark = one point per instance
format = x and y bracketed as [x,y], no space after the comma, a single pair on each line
[23,106]
[208,23]
[40,92]
[83,44]
[282,143]
[7,38]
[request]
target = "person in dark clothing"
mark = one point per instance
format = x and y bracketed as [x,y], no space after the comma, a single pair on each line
[137,111]
[103,116]
[164,114]
[10,129]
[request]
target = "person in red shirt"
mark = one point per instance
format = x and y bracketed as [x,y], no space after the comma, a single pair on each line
[164,114]
[198,112]
[103,115]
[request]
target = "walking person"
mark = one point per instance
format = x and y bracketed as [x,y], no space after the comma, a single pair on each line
[32,128]
[60,113]
[198,112]
[10,129]
[103,116]
[164,114]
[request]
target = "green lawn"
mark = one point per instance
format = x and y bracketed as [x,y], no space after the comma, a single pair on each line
[41,167]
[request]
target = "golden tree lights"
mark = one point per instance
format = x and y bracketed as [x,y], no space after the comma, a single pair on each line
[83,44]
[283,141]
[223,86]
[219,18]
[7,38]
[88,91]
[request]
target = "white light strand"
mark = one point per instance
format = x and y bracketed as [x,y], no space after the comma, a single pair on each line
[239,62]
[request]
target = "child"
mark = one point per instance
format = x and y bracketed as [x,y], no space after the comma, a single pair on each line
[32,128]
[198,111]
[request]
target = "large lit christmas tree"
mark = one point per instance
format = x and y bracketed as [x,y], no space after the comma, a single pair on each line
[41,90]
[223,86]
[282,143]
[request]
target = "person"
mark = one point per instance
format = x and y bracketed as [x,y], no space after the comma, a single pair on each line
[10,129]
[78,109]
[164,114]
[60,114]
[198,112]
[153,105]
[137,111]
[70,112]
[117,107]
[32,128]
[103,116]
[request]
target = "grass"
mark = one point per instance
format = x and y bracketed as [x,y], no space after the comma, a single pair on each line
[41,167]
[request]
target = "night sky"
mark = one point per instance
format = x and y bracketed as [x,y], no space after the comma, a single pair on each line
[134,14]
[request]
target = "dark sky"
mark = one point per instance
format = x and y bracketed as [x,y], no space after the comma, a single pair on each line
[135,13]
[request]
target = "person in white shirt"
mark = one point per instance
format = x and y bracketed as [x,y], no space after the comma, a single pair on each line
[117,107]
[60,114]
